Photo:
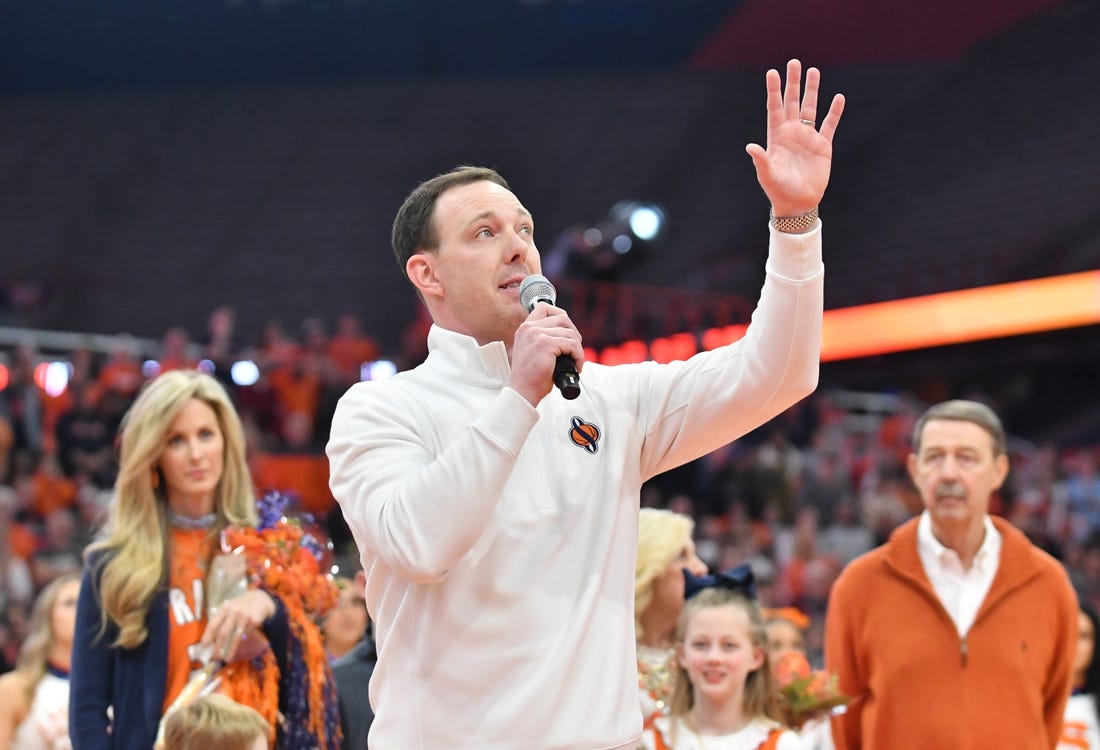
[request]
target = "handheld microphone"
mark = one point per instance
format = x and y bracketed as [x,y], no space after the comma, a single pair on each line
[532,290]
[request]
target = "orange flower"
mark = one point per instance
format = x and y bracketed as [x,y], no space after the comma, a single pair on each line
[280,561]
[791,666]
[806,692]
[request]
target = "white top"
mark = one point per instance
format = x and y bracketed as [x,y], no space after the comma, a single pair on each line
[46,726]
[960,591]
[674,730]
[1080,730]
[817,734]
[498,540]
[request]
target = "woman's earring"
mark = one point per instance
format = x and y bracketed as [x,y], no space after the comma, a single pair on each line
[156,479]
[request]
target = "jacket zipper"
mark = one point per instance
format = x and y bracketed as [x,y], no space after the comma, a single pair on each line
[964,651]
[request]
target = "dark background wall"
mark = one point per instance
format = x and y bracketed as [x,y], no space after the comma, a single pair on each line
[159,159]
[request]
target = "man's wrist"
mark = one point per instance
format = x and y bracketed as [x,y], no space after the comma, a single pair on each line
[799,224]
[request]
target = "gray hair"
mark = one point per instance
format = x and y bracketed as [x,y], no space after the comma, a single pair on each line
[964,411]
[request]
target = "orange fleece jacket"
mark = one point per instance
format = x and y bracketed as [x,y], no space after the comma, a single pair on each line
[892,643]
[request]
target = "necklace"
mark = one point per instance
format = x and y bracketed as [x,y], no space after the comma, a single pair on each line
[657,673]
[185,522]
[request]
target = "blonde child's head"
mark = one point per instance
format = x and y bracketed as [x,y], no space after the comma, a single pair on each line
[215,722]
[733,619]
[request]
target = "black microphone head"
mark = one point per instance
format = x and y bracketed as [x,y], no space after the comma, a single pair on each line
[536,288]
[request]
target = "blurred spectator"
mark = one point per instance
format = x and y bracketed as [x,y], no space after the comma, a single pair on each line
[21,403]
[349,348]
[259,407]
[824,484]
[34,698]
[7,443]
[276,348]
[221,345]
[883,501]
[15,574]
[297,383]
[9,646]
[846,538]
[343,627]
[60,551]
[20,537]
[175,350]
[52,489]
[1079,491]
[1081,725]
[85,439]
[121,373]
[352,673]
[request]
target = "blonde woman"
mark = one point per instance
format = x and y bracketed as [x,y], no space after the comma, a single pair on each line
[34,698]
[142,624]
[665,551]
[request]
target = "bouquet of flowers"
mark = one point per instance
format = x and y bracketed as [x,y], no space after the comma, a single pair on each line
[807,693]
[286,561]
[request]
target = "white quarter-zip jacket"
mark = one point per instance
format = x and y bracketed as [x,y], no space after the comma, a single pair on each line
[499,539]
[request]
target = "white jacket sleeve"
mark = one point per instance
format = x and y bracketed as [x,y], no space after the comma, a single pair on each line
[688,409]
[417,508]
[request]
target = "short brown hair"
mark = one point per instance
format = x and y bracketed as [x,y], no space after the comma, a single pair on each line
[961,410]
[413,228]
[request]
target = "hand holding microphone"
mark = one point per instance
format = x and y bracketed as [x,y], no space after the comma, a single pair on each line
[532,290]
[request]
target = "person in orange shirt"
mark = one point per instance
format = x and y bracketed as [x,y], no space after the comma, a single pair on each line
[175,352]
[52,489]
[349,348]
[122,370]
[958,632]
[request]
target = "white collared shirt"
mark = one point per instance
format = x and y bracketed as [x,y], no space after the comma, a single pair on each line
[960,591]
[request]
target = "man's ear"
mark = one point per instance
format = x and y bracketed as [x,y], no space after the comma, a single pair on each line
[420,268]
[1001,465]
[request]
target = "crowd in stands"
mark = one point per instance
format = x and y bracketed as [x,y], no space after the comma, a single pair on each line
[798,498]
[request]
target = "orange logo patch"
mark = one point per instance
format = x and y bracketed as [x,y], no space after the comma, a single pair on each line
[584,435]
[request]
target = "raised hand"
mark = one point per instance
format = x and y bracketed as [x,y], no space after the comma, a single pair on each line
[794,168]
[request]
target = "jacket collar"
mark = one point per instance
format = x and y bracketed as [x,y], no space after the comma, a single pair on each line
[459,357]
[1017,564]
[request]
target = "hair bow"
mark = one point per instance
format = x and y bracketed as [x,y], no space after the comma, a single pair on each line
[793,615]
[738,578]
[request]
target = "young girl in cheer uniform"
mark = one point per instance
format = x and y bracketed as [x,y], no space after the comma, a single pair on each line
[723,699]
[34,698]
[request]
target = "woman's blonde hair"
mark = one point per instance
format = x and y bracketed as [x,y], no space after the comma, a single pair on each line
[133,542]
[760,697]
[214,722]
[35,650]
[662,534]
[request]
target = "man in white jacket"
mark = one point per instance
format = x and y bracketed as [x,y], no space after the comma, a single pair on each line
[498,521]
